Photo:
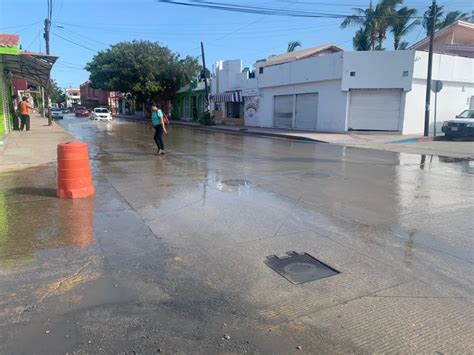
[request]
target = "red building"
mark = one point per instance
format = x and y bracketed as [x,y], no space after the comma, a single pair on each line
[93,97]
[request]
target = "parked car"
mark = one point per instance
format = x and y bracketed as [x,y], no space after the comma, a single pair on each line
[461,127]
[101,113]
[56,113]
[81,111]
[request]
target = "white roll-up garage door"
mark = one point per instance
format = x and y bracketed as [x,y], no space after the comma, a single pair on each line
[283,111]
[377,110]
[306,113]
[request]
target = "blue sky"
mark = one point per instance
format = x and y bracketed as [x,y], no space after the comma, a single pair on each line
[96,24]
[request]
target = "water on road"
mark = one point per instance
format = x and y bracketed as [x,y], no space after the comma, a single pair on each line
[169,254]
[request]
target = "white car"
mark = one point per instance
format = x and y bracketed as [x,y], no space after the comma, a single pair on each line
[101,113]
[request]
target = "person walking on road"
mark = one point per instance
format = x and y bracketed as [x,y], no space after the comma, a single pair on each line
[160,127]
[24,114]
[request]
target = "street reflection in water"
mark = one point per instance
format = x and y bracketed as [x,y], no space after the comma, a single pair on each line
[33,219]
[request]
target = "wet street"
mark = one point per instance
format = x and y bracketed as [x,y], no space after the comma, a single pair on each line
[169,255]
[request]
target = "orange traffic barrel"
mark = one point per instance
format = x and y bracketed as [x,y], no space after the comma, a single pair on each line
[74,173]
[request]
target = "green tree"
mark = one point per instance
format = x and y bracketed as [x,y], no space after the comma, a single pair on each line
[384,15]
[452,17]
[361,40]
[368,31]
[58,96]
[402,25]
[426,23]
[442,21]
[144,69]
[403,45]
[293,45]
[376,21]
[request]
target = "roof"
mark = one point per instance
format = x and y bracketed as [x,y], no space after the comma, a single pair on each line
[443,31]
[9,44]
[9,40]
[187,88]
[34,67]
[297,55]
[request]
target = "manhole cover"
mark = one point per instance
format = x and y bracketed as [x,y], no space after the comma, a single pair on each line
[236,182]
[299,268]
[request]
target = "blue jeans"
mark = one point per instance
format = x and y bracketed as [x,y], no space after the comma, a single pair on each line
[158,137]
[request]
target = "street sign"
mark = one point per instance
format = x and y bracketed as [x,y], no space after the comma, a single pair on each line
[436,86]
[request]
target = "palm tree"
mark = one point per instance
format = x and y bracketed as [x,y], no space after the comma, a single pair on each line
[452,17]
[373,21]
[427,18]
[440,21]
[364,18]
[385,13]
[403,45]
[293,45]
[401,25]
[361,40]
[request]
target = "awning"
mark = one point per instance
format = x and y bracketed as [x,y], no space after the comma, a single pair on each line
[34,67]
[235,96]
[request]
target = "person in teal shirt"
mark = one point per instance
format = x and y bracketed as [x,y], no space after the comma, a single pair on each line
[160,127]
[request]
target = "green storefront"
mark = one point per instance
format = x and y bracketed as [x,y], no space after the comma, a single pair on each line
[189,102]
[8,47]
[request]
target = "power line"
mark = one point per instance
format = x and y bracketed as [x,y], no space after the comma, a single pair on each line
[33,40]
[252,9]
[264,10]
[247,25]
[23,26]
[77,44]
[82,36]
[63,61]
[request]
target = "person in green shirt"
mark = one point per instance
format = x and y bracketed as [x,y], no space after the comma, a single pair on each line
[160,127]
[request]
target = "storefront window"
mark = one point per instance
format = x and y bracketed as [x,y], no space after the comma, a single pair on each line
[233,109]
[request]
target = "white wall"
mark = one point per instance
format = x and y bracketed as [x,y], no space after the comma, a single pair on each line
[327,67]
[457,75]
[331,103]
[378,70]
[445,67]
[226,75]
[452,100]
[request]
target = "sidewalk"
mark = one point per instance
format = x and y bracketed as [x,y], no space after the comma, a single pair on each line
[413,144]
[25,149]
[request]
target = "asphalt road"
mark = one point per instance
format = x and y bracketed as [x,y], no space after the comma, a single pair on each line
[169,256]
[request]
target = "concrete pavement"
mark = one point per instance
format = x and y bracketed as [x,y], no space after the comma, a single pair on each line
[169,255]
[37,147]
[411,144]
[370,140]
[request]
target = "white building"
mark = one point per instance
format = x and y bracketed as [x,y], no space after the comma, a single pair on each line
[334,91]
[73,97]
[456,39]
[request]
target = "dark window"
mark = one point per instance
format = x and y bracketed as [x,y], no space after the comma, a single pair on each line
[353,73]
[405,73]
[260,70]
[233,109]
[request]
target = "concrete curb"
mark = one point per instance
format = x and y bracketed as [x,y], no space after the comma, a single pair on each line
[245,131]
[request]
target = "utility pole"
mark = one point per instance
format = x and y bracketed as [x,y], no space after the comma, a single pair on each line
[43,112]
[208,118]
[47,28]
[430,68]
